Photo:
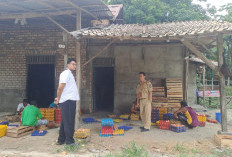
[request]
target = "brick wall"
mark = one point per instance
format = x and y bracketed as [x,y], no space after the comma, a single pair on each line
[38,37]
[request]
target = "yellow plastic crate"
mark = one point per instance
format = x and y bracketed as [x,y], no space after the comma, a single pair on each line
[134,117]
[3,129]
[82,133]
[118,132]
[124,116]
[117,120]
[201,118]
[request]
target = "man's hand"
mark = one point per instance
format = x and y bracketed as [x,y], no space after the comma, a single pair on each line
[56,101]
[137,105]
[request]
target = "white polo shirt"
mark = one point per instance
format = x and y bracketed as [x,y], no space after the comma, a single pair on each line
[20,106]
[70,91]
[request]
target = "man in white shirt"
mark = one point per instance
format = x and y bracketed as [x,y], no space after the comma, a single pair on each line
[67,95]
[21,106]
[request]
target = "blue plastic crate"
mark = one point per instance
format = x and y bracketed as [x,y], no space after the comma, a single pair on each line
[125,127]
[88,120]
[16,125]
[107,122]
[168,116]
[36,133]
[178,129]
[4,123]
[105,135]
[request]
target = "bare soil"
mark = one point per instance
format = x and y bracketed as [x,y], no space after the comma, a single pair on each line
[157,142]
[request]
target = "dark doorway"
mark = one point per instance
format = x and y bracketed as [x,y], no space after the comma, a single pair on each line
[41,83]
[104,88]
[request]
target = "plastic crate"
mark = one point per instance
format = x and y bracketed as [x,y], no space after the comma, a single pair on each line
[168,116]
[107,122]
[165,125]
[82,133]
[201,124]
[3,129]
[125,116]
[119,132]
[38,133]
[105,135]
[125,128]
[88,120]
[201,118]
[117,120]
[178,128]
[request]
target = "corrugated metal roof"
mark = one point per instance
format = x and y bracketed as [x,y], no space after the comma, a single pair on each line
[156,30]
[10,9]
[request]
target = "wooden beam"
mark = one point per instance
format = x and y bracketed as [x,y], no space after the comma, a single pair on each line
[199,54]
[78,71]
[34,15]
[186,78]
[204,86]
[50,6]
[100,52]
[222,84]
[205,47]
[79,8]
[56,23]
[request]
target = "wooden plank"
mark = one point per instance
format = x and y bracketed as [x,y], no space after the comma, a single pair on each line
[19,129]
[19,135]
[223,140]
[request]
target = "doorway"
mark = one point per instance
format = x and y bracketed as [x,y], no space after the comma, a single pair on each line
[41,83]
[103,89]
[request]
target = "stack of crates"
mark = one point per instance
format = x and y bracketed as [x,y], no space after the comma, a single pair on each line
[177,128]
[163,124]
[168,116]
[58,116]
[106,127]
[162,111]
[42,110]
[154,115]
[201,119]
[82,133]
[50,114]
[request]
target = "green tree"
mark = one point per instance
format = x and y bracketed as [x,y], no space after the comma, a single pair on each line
[153,11]
[227,39]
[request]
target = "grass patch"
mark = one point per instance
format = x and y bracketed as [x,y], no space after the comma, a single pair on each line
[225,152]
[132,150]
[71,148]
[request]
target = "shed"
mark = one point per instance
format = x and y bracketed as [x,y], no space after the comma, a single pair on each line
[160,50]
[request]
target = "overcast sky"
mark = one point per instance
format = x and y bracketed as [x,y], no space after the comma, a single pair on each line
[217,3]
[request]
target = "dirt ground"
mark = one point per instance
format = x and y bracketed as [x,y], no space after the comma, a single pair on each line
[157,142]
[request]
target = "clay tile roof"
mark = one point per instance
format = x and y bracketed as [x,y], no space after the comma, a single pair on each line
[157,30]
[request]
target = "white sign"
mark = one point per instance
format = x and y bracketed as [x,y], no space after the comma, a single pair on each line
[61,46]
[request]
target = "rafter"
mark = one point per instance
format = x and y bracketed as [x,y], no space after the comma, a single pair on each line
[33,15]
[51,7]
[78,7]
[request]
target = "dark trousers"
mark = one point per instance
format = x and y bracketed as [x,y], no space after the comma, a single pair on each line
[68,111]
[182,117]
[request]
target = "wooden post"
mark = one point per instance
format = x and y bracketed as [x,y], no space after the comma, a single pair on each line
[78,71]
[186,78]
[204,86]
[222,84]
